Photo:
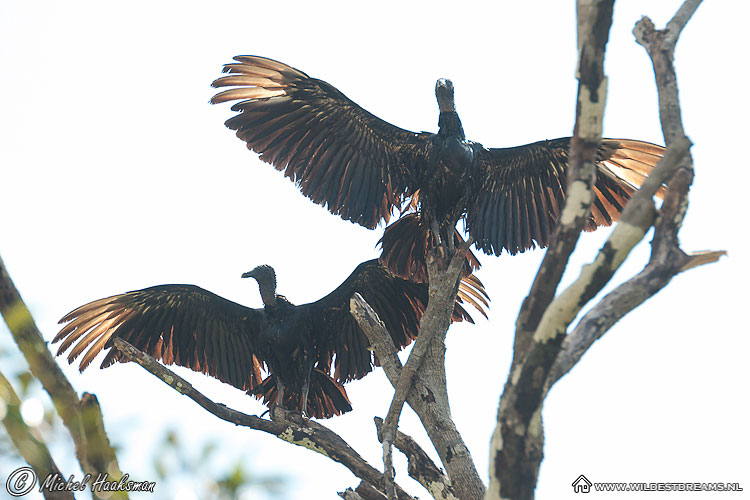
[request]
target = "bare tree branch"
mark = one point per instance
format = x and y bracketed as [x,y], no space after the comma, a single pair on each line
[667,259]
[609,311]
[516,449]
[426,402]
[594,20]
[680,20]
[660,45]
[33,451]
[286,425]
[435,322]
[518,439]
[701,258]
[421,467]
[635,221]
[365,491]
[445,270]
[42,365]
[350,494]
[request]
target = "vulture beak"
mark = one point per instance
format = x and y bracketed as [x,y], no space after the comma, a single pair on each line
[262,272]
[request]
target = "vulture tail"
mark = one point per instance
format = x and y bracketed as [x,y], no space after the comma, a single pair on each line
[325,399]
[405,244]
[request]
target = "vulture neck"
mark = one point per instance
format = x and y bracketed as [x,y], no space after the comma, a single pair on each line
[450,125]
[267,287]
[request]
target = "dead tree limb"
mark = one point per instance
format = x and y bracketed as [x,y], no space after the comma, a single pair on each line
[667,259]
[444,270]
[635,221]
[364,491]
[594,21]
[421,467]
[516,448]
[551,352]
[660,45]
[426,402]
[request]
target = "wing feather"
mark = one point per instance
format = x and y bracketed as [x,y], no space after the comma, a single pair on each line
[521,190]
[178,324]
[398,303]
[308,129]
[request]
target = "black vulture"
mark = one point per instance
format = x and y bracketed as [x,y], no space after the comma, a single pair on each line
[299,346]
[362,168]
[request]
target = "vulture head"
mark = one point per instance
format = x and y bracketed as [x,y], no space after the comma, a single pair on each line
[266,278]
[444,94]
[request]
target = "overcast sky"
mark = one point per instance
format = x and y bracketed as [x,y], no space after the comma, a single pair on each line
[116,174]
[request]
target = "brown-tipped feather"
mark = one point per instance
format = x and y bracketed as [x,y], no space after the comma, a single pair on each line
[363,168]
[95,349]
[264,62]
[82,315]
[102,329]
[476,296]
[404,248]
[194,328]
[462,297]
[146,318]
[631,160]
[250,70]
[325,399]
[246,80]
[246,93]
[339,155]
[523,189]
[80,326]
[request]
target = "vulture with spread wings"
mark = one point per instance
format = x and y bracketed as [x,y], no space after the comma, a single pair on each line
[308,351]
[363,168]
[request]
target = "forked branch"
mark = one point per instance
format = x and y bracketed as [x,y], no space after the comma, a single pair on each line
[539,361]
[428,402]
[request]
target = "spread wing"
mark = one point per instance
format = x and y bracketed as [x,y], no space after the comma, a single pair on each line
[177,324]
[522,190]
[338,154]
[397,302]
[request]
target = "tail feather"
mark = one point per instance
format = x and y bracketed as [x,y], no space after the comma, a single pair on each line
[473,293]
[325,398]
[405,244]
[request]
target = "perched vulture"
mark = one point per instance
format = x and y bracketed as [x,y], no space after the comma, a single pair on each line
[362,168]
[309,350]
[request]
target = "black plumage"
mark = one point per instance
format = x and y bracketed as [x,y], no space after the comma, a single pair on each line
[310,349]
[362,168]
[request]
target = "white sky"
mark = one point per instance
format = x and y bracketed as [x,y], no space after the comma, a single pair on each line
[116,174]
